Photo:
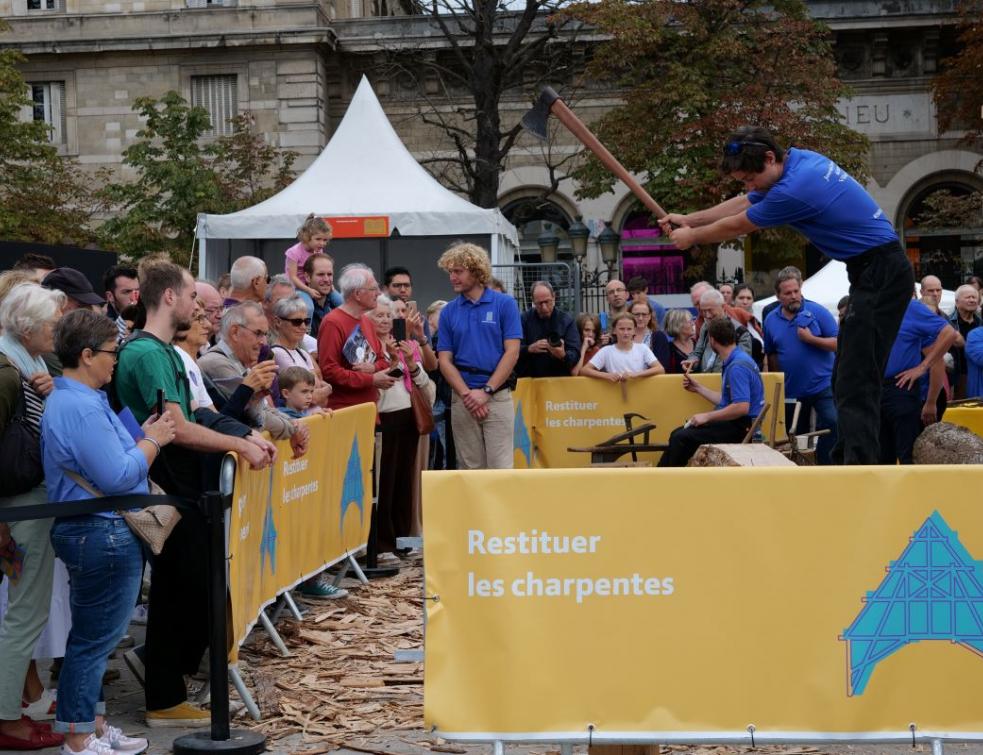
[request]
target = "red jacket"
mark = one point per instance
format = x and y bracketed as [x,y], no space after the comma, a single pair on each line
[339,347]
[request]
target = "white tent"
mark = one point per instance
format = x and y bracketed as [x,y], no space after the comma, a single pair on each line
[831,284]
[364,171]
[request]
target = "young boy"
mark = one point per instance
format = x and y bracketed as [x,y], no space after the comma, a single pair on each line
[297,389]
[624,359]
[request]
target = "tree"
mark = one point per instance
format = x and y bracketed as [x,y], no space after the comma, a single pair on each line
[43,196]
[495,51]
[250,169]
[175,182]
[180,176]
[957,92]
[692,72]
[943,209]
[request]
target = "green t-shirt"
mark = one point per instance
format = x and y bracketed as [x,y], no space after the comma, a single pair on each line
[147,364]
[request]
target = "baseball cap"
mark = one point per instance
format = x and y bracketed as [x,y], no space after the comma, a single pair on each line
[73,284]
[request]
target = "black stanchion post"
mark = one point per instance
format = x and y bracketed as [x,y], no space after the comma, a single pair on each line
[221,738]
[372,570]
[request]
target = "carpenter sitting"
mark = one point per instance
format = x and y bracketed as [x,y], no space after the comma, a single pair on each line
[739,402]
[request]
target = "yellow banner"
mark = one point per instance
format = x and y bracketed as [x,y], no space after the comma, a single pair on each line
[664,603]
[298,516]
[970,417]
[554,414]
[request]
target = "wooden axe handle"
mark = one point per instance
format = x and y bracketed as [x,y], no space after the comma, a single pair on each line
[579,130]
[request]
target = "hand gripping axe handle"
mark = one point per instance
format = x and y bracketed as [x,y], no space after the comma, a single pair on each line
[549,103]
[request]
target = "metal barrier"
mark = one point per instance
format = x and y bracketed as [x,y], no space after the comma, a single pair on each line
[563,276]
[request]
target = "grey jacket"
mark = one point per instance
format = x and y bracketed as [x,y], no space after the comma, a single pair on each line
[227,372]
[707,360]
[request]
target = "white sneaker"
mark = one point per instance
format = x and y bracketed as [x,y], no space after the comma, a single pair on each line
[119,742]
[42,709]
[139,615]
[93,746]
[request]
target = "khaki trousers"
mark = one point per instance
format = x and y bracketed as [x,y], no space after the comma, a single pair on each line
[487,444]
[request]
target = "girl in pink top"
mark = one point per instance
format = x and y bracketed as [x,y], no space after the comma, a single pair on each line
[313,236]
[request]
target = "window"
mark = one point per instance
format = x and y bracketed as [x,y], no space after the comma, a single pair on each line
[212,3]
[219,96]
[48,105]
[45,4]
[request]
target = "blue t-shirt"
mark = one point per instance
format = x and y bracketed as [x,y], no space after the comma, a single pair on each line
[741,381]
[823,202]
[475,333]
[808,369]
[919,329]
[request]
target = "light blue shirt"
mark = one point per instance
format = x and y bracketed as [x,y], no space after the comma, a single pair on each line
[80,433]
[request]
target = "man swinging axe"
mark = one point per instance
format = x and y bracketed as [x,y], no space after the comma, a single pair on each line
[814,195]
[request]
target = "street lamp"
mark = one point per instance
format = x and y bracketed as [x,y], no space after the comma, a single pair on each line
[608,241]
[578,234]
[548,242]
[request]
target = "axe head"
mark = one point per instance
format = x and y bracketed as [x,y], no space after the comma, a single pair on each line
[534,121]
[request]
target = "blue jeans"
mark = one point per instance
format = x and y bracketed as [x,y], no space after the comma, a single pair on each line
[104,561]
[825,408]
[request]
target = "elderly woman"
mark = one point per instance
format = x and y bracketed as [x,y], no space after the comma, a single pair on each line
[290,324]
[28,315]
[400,438]
[682,330]
[103,556]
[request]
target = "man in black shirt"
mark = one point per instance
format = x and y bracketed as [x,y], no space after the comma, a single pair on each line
[550,343]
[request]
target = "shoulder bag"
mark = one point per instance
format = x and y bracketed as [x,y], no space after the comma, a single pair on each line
[21,468]
[153,525]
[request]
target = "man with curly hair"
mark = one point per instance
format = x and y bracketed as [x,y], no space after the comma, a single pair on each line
[480,332]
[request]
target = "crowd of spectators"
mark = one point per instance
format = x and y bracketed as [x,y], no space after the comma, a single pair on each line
[152,380]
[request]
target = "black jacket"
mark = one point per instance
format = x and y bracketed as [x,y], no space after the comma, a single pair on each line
[534,328]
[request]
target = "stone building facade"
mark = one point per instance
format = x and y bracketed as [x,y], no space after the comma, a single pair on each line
[295,64]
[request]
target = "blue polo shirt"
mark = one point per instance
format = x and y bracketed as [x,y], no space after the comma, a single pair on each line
[919,329]
[808,369]
[825,204]
[741,381]
[475,333]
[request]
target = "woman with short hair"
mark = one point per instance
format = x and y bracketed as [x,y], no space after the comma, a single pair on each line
[289,329]
[28,314]
[88,453]
[682,331]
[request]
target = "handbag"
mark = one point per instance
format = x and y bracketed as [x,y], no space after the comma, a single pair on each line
[153,525]
[21,468]
[422,410]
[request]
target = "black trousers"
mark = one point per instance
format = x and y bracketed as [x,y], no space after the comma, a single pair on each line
[177,626]
[397,460]
[901,422]
[683,441]
[881,285]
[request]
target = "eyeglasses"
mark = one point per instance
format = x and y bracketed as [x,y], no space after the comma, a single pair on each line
[735,148]
[400,285]
[113,352]
[544,303]
[257,333]
[297,321]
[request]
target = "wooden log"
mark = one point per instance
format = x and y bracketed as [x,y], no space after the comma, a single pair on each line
[738,455]
[624,750]
[946,443]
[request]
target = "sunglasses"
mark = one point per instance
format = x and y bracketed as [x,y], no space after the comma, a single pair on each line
[297,321]
[736,148]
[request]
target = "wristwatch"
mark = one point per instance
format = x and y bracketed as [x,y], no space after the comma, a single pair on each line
[487,389]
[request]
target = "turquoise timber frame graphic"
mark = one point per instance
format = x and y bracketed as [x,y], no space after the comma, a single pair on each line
[934,591]
[520,435]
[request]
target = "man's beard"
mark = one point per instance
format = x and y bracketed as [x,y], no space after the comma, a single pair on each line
[793,307]
[180,323]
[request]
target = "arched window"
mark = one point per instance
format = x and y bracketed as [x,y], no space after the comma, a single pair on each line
[645,252]
[943,228]
[532,216]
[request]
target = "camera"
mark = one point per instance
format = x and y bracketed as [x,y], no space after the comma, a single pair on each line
[554,340]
